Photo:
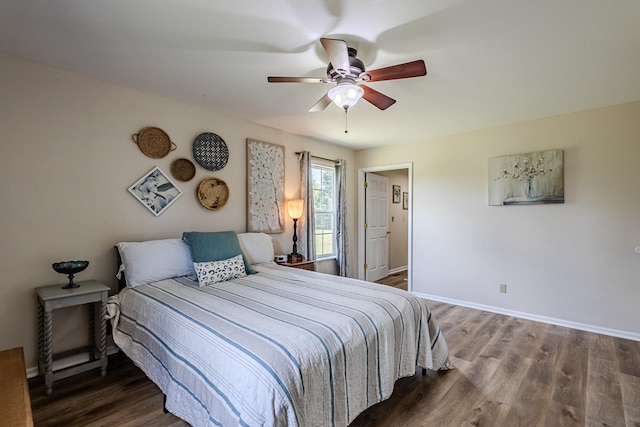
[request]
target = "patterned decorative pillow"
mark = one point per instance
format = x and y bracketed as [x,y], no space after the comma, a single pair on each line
[219,271]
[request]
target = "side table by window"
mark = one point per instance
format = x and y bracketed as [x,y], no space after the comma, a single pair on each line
[53,297]
[302,265]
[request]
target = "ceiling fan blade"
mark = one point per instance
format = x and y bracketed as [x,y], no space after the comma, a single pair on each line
[272,79]
[321,104]
[400,71]
[338,54]
[378,99]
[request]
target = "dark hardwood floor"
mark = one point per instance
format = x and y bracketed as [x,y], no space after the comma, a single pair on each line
[509,372]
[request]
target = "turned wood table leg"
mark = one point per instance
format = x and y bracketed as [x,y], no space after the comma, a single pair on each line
[102,347]
[48,350]
[92,331]
[40,339]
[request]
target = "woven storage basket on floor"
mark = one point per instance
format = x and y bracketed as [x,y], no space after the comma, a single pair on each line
[154,142]
[183,169]
[213,193]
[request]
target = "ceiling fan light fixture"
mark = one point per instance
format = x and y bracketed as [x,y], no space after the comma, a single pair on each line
[346,95]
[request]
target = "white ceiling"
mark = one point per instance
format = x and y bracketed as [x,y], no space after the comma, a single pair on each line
[489,62]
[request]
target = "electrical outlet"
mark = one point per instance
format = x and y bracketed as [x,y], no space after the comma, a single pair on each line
[503,288]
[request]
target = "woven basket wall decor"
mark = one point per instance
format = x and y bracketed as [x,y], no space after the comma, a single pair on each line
[210,151]
[154,142]
[213,193]
[183,169]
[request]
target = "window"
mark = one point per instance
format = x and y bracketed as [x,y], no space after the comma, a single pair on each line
[324,204]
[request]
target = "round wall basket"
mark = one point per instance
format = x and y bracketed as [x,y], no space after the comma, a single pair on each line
[183,169]
[154,142]
[213,193]
[210,151]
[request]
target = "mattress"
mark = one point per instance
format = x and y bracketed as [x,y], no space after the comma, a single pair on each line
[283,347]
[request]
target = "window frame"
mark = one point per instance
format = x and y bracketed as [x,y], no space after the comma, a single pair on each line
[333,211]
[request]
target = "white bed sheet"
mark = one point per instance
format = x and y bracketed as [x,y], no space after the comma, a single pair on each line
[284,347]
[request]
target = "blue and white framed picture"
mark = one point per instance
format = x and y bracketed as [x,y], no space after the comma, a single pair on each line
[155,191]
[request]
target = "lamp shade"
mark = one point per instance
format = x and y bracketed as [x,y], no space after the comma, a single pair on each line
[346,95]
[295,207]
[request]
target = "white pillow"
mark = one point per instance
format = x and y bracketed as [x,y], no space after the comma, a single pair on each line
[257,247]
[153,260]
[219,271]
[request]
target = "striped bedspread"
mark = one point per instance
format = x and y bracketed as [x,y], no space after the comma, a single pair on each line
[284,347]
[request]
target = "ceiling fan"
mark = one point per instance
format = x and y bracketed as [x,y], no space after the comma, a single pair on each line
[348,72]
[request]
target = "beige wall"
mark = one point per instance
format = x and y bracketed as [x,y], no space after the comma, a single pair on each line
[573,261]
[66,161]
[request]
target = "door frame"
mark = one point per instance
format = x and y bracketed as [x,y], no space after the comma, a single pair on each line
[361,218]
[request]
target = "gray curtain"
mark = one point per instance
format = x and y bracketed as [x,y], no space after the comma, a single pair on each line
[306,224]
[342,239]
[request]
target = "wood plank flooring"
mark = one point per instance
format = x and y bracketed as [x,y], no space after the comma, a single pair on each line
[397,280]
[509,372]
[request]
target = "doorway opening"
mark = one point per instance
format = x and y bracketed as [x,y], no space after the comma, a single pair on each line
[399,218]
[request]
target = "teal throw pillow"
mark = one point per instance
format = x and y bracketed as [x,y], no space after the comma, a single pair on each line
[206,246]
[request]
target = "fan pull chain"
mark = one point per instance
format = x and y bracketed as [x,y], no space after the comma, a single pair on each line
[346,121]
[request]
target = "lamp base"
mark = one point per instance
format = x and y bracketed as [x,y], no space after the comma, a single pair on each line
[294,258]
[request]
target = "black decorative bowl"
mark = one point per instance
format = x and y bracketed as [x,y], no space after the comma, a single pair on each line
[70,268]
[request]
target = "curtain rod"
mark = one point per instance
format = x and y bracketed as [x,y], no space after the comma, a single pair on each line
[321,158]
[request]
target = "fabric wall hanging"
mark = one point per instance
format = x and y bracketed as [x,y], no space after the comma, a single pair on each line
[210,151]
[154,142]
[265,182]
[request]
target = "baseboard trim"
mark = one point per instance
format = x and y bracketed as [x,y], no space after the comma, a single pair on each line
[398,270]
[537,318]
[32,372]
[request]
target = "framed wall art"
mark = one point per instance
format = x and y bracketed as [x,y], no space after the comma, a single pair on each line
[405,200]
[155,191]
[265,187]
[527,179]
[396,193]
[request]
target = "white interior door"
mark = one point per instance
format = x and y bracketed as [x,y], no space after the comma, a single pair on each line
[376,227]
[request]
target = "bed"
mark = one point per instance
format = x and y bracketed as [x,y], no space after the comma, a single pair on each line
[273,346]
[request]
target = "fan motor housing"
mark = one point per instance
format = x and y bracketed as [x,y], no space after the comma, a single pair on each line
[356,66]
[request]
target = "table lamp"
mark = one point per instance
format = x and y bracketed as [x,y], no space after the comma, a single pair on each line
[295,208]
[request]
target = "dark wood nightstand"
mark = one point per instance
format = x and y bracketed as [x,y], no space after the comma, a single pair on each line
[302,265]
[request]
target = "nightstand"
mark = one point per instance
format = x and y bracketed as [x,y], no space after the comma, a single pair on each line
[302,265]
[54,296]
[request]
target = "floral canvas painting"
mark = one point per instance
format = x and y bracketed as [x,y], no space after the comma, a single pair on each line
[265,182]
[526,179]
[155,191]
